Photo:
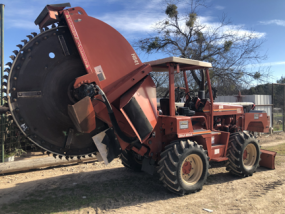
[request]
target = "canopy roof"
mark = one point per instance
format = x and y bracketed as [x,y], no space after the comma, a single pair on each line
[160,65]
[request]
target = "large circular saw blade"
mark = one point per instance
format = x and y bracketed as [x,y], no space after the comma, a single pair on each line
[39,84]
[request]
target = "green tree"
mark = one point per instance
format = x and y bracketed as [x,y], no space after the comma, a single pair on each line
[230,49]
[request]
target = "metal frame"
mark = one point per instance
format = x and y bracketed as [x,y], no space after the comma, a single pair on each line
[172,90]
[283,103]
[2,74]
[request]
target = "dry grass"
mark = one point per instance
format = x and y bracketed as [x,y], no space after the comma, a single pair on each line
[280,149]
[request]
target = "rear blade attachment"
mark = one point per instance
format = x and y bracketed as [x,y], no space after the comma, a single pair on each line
[267,159]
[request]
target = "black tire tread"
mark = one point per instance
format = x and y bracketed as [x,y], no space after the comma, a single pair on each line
[168,165]
[234,154]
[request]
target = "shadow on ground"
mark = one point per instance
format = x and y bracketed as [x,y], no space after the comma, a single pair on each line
[104,189]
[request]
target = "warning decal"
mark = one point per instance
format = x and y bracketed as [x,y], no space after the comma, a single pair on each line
[100,73]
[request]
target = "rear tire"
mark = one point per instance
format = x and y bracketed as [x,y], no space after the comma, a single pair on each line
[243,153]
[130,161]
[183,167]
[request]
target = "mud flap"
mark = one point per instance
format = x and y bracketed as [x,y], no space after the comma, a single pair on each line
[107,145]
[148,165]
[267,159]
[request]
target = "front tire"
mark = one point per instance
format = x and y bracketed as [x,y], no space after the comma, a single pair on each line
[243,153]
[183,167]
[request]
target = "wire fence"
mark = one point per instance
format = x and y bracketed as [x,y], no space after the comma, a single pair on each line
[278,95]
[13,142]
[277,119]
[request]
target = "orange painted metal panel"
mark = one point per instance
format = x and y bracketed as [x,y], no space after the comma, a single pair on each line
[145,95]
[173,125]
[211,99]
[217,151]
[171,90]
[256,122]
[146,98]
[104,50]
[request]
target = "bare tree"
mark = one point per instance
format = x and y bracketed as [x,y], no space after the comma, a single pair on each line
[229,48]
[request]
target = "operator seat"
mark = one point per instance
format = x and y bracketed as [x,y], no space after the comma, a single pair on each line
[164,106]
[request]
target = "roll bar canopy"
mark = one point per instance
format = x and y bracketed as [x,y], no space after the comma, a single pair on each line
[160,65]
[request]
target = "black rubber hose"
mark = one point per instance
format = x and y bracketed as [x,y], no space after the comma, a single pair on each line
[131,140]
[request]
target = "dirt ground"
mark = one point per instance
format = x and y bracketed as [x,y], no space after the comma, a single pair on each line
[96,188]
[267,139]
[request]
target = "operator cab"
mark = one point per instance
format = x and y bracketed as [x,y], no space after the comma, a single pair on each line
[193,102]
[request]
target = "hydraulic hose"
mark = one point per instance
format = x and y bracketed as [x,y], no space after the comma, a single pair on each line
[131,140]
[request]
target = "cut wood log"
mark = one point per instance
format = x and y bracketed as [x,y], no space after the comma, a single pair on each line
[35,163]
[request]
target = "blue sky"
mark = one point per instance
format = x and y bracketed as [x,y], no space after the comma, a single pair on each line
[135,20]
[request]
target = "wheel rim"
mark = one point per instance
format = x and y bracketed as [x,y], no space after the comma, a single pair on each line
[249,156]
[191,169]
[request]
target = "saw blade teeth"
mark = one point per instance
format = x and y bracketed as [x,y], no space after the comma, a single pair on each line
[9,64]
[4,91]
[24,41]
[30,37]
[4,83]
[20,55]
[5,77]
[16,52]
[90,155]
[19,46]
[5,105]
[12,57]
[41,30]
